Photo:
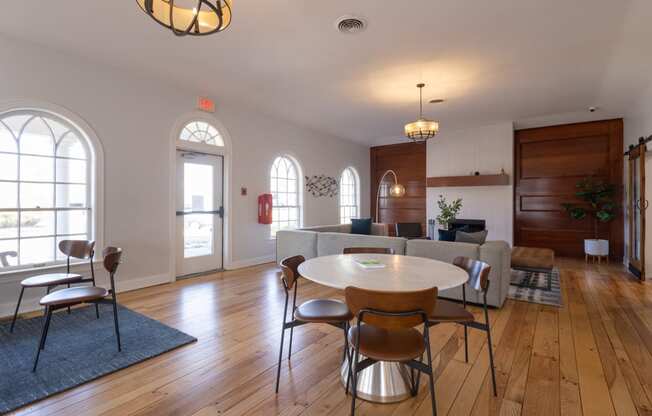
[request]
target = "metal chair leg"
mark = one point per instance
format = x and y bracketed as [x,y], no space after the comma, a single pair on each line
[44,333]
[346,343]
[354,377]
[97,311]
[280,357]
[68,306]
[432,377]
[491,360]
[115,322]
[20,298]
[466,343]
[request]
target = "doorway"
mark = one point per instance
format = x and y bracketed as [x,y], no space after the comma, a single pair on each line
[199,213]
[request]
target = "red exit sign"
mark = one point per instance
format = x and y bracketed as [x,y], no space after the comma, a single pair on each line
[206,104]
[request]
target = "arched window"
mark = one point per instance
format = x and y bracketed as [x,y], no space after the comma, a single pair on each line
[45,186]
[285,187]
[201,132]
[349,196]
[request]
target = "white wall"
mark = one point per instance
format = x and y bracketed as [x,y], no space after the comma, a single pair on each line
[486,150]
[133,117]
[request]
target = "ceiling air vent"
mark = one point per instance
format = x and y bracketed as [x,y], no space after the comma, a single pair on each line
[350,24]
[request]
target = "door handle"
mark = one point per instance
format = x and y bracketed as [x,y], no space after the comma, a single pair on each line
[219,212]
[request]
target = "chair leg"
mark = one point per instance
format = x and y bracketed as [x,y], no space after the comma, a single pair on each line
[491,360]
[354,379]
[97,310]
[280,357]
[68,306]
[44,334]
[115,322]
[432,378]
[346,343]
[20,298]
[348,375]
[290,344]
[466,343]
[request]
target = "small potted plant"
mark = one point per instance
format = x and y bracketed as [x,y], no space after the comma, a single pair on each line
[600,207]
[447,214]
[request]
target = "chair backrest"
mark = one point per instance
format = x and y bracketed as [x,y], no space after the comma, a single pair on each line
[79,249]
[372,250]
[290,267]
[111,258]
[387,306]
[3,257]
[408,229]
[478,272]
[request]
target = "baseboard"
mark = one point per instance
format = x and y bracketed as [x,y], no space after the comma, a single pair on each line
[30,304]
[240,264]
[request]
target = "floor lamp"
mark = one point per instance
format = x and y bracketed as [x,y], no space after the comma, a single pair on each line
[397,190]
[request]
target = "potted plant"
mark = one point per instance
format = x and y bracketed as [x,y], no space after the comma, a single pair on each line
[601,208]
[447,214]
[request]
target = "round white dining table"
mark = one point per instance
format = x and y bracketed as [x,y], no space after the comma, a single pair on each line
[383,382]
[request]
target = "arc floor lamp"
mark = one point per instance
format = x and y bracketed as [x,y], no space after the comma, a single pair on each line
[396,190]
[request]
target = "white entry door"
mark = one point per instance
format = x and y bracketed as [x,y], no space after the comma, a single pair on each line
[199,212]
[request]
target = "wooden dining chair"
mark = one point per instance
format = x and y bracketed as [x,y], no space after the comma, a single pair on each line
[370,250]
[79,249]
[66,298]
[325,311]
[385,331]
[447,311]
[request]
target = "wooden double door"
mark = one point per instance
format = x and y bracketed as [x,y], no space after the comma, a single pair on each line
[549,161]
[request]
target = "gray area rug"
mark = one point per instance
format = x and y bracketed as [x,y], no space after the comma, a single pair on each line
[533,287]
[79,348]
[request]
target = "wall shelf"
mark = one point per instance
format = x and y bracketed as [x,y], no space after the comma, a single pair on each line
[469,180]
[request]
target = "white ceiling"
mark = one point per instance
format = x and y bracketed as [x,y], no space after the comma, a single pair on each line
[492,61]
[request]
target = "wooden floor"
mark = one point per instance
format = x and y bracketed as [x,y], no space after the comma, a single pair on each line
[593,356]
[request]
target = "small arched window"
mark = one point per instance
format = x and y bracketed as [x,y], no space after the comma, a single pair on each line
[349,196]
[45,186]
[201,132]
[285,187]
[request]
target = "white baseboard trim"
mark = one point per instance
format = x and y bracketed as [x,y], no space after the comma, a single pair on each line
[32,296]
[241,264]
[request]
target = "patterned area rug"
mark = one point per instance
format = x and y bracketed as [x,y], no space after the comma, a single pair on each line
[533,287]
[79,348]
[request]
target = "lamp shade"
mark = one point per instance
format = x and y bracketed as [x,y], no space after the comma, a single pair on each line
[397,190]
[203,18]
[422,129]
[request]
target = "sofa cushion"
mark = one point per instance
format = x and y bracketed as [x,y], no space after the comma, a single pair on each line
[296,242]
[441,250]
[361,226]
[334,243]
[338,228]
[476,238]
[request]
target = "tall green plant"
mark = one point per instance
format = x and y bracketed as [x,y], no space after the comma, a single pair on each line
[448,212]
[599,196]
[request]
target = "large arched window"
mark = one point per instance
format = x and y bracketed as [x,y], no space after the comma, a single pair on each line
[45,189]
[201,132]
[285,187]
[349,196]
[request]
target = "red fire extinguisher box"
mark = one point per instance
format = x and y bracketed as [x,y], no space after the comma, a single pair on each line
[265,209]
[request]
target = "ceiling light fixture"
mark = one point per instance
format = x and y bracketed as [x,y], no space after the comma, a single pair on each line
[422,129]
[203,18]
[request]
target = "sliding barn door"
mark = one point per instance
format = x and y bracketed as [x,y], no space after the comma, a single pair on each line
[549,161]
[637,204]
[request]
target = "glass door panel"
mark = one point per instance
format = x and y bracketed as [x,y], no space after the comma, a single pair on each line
[199,213]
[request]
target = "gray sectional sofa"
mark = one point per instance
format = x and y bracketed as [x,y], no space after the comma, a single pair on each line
[332,239]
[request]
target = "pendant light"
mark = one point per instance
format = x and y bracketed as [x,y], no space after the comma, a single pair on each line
[422,129]
[189,17]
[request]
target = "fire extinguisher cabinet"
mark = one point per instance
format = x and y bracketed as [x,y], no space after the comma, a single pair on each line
[265,209]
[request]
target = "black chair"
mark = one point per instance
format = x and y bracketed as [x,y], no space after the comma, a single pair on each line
[79,249]
[409,230]
[66,298]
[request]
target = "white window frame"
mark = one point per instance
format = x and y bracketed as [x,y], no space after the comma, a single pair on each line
[94,181]
[298,190]
[346,219]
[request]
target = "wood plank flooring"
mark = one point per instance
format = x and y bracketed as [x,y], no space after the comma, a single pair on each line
[591,357]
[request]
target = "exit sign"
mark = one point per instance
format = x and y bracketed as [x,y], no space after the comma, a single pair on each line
[206,104]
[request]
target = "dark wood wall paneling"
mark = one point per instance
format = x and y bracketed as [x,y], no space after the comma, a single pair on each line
[408,160]
[549,161]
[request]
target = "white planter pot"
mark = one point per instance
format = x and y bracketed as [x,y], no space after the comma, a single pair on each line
[596,247]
